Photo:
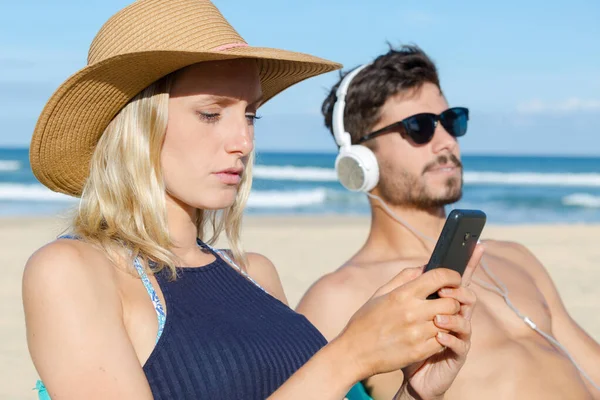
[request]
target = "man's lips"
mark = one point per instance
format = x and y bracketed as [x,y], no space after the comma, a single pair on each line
[443,168]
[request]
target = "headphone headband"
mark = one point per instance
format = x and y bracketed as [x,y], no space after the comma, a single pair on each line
[342,138]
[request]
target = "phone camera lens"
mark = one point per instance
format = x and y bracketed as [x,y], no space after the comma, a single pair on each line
[467,236]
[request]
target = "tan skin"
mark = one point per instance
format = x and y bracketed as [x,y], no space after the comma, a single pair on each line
[507,360]
[91,326]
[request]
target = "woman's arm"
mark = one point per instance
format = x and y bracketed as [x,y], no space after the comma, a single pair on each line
[329,374]
[372,342]
[75,331]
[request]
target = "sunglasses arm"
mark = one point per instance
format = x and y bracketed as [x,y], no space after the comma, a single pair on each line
[379,132]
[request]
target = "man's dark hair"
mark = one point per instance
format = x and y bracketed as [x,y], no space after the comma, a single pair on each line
[396,72]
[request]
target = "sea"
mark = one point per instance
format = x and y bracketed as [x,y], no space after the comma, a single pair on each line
[509,189]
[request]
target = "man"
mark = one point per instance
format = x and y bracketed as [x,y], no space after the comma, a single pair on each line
[419,173]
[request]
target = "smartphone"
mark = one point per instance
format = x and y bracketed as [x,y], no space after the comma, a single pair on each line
[457,241]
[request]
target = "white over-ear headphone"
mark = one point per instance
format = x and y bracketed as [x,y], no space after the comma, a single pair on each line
[356,165]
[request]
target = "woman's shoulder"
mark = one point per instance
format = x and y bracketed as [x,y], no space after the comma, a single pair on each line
[74,319]
[66,265]
[263,271]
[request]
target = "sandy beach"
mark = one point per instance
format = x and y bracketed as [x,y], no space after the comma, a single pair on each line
[302,248]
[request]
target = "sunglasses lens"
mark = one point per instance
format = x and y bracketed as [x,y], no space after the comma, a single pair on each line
[455,121]
[420,128]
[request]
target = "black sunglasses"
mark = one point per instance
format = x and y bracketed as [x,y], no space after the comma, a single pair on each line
[421,127]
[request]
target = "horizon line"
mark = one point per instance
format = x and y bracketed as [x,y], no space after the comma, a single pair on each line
[333,153]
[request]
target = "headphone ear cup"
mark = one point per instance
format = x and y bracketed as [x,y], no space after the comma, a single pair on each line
[357,169]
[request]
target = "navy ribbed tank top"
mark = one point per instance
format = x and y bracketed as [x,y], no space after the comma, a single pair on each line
[225,338]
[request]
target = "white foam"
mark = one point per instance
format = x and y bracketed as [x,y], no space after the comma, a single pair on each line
[286,199]
[316,174]
[533,179]
[290,173]
[9,165]
[582,200]
[33,192]
[258,199]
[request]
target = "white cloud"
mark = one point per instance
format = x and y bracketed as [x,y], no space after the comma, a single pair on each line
[567,106]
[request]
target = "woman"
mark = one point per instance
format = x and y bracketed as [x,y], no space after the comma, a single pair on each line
[156,137]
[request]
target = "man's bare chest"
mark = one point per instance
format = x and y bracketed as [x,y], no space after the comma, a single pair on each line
[508,302]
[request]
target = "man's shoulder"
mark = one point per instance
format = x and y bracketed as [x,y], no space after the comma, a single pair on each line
[355,282]
[332,300]
[506,249]
[340,285]
[515,253]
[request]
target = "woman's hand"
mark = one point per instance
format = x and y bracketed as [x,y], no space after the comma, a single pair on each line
[393,330]
[395,327]
[431,378]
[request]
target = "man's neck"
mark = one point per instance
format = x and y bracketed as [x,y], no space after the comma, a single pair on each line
[391,239]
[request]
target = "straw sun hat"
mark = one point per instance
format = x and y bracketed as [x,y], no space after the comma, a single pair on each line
[137,46]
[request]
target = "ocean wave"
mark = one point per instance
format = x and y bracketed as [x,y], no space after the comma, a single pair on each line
[35,192]
[291,173]
[316,174]
[533,179]
[582,200]
[313,198]
[9,165]
[286,199]
[257,199]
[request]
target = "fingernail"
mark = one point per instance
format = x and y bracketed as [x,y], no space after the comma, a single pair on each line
[441,319]
[440,335]
[446,291]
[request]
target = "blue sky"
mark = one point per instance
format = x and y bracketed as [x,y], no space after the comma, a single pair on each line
[529,71]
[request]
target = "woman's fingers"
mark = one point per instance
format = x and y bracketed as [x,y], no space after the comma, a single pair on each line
[397,324]
[405,276]
[430,347]
[432,281]
[464,295]
[454,323]
[447,306]
[472,265]
[458,346]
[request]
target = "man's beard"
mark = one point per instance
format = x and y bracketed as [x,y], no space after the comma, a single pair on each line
[406,190]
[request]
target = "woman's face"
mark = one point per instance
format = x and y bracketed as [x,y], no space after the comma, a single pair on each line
[210,132]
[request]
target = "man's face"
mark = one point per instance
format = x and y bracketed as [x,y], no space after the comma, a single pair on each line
[424,176]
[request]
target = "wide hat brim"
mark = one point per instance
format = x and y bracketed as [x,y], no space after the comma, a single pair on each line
[79,111]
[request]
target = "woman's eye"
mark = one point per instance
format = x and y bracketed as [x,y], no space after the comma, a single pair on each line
[209,117]
[252,118]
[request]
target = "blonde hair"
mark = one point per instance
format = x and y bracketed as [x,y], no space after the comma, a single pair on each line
[123,206]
